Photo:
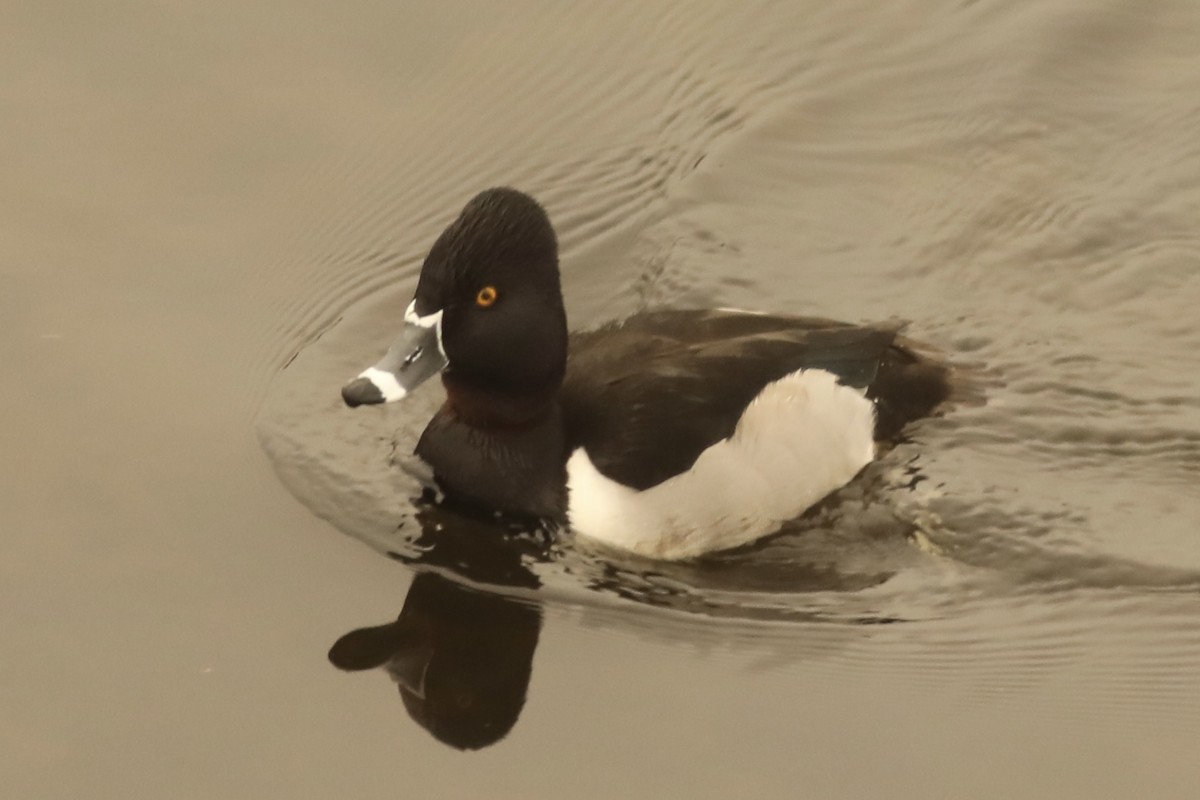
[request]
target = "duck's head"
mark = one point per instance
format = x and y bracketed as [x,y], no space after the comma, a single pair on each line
[488,311]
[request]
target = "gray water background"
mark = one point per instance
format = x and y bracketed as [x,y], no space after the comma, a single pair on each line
[198,196]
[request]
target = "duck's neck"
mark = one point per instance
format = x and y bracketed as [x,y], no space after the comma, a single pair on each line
[505,452]
[497,410]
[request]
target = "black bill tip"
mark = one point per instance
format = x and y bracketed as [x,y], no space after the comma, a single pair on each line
[361,392]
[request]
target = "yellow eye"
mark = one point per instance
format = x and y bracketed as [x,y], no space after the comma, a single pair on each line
[486,297]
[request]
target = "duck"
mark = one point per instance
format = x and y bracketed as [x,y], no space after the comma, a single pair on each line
[671,434]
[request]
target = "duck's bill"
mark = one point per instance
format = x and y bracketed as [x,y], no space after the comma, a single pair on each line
[413,359]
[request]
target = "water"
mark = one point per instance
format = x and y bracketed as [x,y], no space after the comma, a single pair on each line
[215,215]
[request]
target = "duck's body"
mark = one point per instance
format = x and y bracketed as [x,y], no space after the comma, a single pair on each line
[672,434]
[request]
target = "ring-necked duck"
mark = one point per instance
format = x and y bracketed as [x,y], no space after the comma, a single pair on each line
[673,433]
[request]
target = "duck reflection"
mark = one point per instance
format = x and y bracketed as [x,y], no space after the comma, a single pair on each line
[461,657]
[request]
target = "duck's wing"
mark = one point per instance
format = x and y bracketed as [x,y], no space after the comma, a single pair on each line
[647,396]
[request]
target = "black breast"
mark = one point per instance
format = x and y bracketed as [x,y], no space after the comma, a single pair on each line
[522,471]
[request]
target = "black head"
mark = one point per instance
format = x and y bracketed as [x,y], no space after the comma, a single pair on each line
[488,314]
[493,273]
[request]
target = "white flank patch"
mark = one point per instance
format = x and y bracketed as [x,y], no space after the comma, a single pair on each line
[804,436]
[385,382]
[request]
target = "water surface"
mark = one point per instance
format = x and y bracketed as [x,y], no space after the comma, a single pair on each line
[215,214]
